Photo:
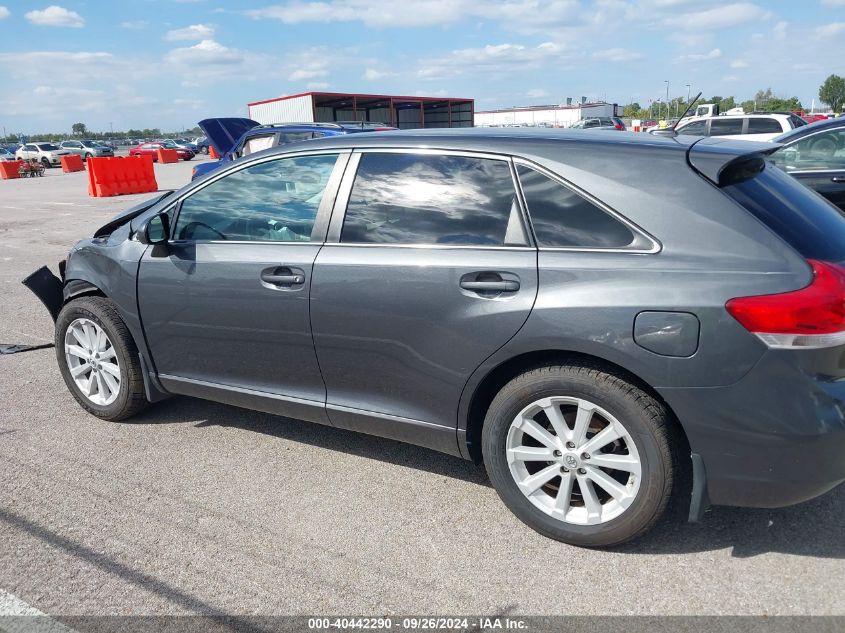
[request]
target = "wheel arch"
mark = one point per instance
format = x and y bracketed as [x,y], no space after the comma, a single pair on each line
[499,375]
[74,288]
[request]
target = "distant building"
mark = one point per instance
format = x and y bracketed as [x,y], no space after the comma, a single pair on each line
[396,111]
[544,115]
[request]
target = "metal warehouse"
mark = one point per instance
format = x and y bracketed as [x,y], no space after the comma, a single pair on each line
[397,111]
[544,115]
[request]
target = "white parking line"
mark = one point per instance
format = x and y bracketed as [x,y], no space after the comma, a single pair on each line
[16,616]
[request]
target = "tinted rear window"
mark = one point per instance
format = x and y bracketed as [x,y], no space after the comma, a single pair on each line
[802,218]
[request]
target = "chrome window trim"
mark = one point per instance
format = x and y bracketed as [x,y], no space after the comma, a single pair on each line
[656,245]
[345,190]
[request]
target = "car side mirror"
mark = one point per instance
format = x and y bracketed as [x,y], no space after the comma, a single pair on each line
[156,230]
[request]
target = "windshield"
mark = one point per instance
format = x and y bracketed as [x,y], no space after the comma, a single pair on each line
[168,144]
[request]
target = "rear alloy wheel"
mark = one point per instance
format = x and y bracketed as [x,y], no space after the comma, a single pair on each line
[98,359]
[88,155]
[46,163]
[579,454]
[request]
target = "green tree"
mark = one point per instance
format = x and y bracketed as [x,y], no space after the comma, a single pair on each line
[832,92]
[79,128]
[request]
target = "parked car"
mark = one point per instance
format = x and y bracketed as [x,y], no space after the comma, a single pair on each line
[233,138]
[151,149]
[517,298]
[47,154]
[6,155]
[815,155]
[600,122]
[87,148]
[186,144]
[202,144]
[748,127]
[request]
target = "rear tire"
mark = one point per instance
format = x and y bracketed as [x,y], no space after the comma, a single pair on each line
[46,163]
[98,359]
[546,456]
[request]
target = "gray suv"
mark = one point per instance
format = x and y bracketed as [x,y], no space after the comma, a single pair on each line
[512,297]
[87,149]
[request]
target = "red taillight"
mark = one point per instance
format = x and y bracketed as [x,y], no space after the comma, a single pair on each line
[811,317]
[619,126]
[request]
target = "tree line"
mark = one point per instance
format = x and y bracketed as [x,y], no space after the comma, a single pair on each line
[80,131]
[831,93]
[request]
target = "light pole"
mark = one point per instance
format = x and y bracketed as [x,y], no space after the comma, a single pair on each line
[666,81]
[111,127]
[688,87]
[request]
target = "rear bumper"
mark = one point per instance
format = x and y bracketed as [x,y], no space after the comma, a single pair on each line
[775,438]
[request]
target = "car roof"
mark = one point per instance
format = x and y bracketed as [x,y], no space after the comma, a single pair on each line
[810,128]
[491,140]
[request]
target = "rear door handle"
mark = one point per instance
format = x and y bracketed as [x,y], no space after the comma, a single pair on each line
[838,179]
[506,285]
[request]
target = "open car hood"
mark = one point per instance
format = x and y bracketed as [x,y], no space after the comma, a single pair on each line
[224,133]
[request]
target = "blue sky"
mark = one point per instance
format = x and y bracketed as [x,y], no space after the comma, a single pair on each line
[169,63]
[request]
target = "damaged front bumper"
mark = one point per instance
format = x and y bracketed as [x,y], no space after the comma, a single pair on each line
[48,288]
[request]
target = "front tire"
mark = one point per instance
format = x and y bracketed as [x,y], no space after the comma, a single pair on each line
[46,163]
[579,454]
[98,359]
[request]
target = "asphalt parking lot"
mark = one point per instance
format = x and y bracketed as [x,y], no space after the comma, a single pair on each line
[196,507]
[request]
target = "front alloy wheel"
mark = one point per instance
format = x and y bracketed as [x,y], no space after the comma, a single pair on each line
[92,362]
[98,359]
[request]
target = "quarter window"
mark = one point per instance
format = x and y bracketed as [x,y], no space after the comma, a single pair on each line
[426,199]
[764,126]
[273,201]
[563,218]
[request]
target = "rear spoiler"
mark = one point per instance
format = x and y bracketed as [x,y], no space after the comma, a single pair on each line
[727,161]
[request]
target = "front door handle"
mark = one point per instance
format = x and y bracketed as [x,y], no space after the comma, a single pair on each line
[282,276]
[505,285]
[838,179]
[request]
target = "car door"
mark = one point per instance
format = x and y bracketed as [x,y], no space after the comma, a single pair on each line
[427,271]
[817,161]
[225,305]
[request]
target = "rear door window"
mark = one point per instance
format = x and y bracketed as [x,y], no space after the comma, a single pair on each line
[803,219]
[431,199]
[563,218]
[725,126]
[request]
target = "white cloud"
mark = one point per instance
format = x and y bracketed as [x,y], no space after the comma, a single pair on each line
[700,57]
[493,58]
[207,53]
[739,63]
[617,55]
[194,32]
[55,16]
[719,17]
[371,74]
[135,25]
[4,12]
[532,16]
[833,3]
[830,30]
[317,85]
[536,93]
[779,30]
